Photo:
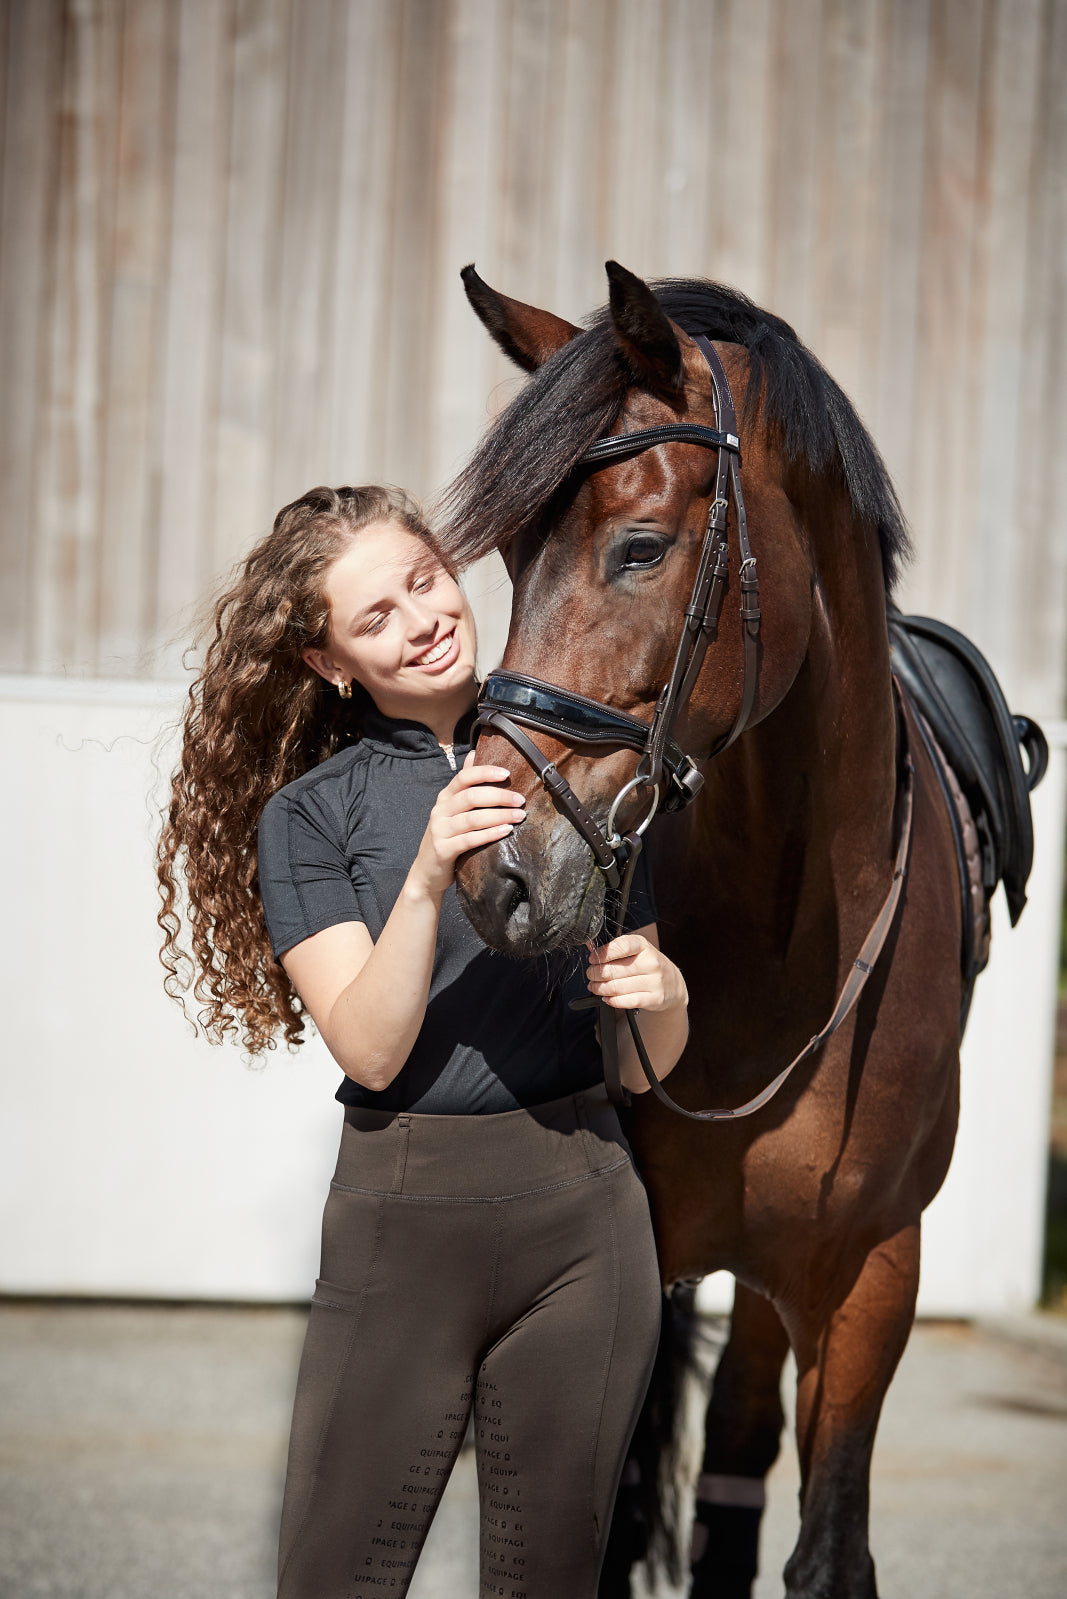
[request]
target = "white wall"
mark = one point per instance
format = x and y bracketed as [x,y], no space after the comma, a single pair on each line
[133,1159]
[136,1160]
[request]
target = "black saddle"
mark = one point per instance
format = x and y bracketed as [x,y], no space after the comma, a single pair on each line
[954,688]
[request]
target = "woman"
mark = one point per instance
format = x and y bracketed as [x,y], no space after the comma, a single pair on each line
[486,1242]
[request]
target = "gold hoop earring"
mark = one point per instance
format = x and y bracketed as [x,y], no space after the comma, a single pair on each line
[345,690]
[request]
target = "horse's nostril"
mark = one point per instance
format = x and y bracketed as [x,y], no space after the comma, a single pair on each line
[519,896]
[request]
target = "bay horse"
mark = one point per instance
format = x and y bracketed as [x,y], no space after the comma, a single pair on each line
[766,885]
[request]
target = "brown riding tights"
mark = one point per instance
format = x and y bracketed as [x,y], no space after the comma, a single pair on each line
[500,1263]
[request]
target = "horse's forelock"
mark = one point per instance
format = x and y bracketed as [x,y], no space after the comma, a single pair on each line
[533,446]
[515,474]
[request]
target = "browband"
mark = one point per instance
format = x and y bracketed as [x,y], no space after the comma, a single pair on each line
[616,445]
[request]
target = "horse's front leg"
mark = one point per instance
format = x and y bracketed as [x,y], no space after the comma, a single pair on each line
[743,1430]
[845,1363]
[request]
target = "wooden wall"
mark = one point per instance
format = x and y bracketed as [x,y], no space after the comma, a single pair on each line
[230,233]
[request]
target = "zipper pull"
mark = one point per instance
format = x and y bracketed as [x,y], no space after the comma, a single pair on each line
[450,756]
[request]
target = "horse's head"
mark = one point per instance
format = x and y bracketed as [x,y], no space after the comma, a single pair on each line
[603,561]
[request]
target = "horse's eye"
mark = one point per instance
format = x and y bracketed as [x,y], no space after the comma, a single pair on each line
[644,550]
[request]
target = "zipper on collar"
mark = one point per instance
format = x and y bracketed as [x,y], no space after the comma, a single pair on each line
[450,755]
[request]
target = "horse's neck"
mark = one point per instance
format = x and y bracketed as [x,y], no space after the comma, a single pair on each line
[795,830]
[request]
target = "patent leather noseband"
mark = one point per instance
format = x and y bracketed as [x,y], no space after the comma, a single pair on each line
[509,702]
[508,698]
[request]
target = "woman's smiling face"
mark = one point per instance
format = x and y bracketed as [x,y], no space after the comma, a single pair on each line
[399,623]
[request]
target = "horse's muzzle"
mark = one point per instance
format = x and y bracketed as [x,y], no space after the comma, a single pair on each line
[530,894]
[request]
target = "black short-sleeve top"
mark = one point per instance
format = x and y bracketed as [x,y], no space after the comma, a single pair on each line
[336,846]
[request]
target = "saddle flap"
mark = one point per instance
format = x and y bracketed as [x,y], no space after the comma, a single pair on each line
[957,692]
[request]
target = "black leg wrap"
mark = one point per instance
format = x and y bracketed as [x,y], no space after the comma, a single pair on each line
[726,1544]
[627,1544]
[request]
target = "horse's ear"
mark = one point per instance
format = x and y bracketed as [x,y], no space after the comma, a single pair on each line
[524,333]
[645,333]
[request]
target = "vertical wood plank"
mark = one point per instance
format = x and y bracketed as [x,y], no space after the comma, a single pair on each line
[795,97]
[33,39]
[878,179]
[497,264]
[357,340]
[65,617]
[410,374]
[470,179]
[692,160]
[846,200]
[188,405]
[900,235]
[307,255]
[125,584]
[583,149]
[739,182]
[942,505]
[243,493]
[994,603]
[526,177]
[6,25]
[1039,644]
[636,111]
[472,368]
[555,155]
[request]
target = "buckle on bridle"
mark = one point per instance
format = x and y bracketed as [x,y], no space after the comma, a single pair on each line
[686,782]
[717,514]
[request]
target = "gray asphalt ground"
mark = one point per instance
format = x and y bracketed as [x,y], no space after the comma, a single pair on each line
[142,1449]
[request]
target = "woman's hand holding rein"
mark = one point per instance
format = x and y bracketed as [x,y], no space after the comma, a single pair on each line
[632,973]
[472,811]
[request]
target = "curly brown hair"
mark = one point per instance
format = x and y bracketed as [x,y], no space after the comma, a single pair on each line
[257,717]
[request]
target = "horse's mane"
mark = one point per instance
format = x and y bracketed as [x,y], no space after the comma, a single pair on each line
[516,473]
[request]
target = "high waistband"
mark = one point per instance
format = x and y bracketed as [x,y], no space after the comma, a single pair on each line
[509,1153]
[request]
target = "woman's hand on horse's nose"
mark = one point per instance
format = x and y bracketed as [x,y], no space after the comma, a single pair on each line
[630,973]
[472,811]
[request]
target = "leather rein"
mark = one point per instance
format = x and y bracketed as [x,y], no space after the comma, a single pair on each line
[673,778]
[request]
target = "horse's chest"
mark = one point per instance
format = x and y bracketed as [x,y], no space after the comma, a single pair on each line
[767,1199]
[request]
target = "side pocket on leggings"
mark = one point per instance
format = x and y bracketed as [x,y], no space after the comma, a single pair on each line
[333,1297]
[351,1226]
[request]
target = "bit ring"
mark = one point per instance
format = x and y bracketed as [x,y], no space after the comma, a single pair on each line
[615,839]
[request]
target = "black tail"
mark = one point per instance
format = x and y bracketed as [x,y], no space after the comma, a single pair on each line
[647,1521]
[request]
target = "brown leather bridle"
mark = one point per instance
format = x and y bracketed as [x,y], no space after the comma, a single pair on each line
[509,698]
